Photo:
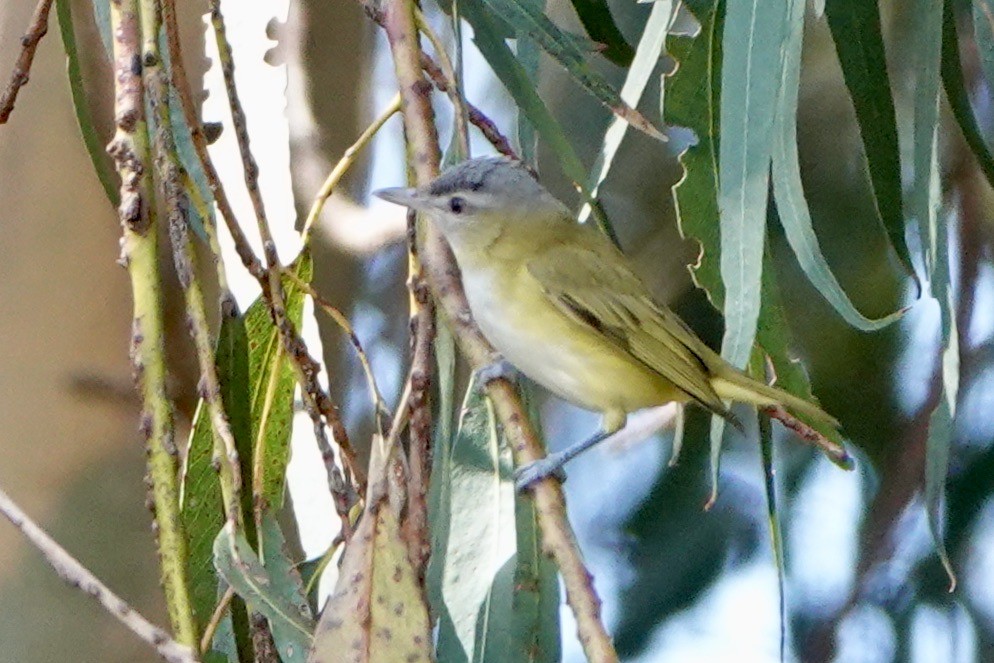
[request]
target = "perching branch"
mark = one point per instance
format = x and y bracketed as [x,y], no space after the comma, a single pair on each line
[22,68]
[139,254]
[78,576]
[440,272]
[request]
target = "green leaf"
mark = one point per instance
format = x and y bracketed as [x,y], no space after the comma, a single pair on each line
[789,192]
[751,72]
[646,59]
[693,94]
[241,569]
[528,55]
[481,533]
[288,585]
[772,512]
[925,204]
[521,88]
[597,21]
[95,146]
[855,28]
[959,98]
[525,17]
[247,358]
[377,612]
[983,30]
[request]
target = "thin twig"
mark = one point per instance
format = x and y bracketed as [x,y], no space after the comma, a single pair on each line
[139,254]
[170,180]
[836,452]
[215,621]
[441,275]
[305,366]
[76,575]
[476,117]
[22,68]
[452,89]
[379,405]
[343,165]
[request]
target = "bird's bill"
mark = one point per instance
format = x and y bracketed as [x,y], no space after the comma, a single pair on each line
[402,196]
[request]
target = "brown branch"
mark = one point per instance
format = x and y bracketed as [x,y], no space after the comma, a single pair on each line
[78,576]
[836,452]
[441,275]
[22,68]
[316,399]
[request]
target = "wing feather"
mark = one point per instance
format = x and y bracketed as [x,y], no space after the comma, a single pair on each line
[599,291]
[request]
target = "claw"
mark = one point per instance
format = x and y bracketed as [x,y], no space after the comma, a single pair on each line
[498,369]
[528,475]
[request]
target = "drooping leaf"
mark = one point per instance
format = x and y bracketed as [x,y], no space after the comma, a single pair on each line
[238,564]
[481,532]
[855,28]
[925,205]
[983,30]
[519,85]
[788,191]
[772,510]
[646,59]
[288,585]
[248,358]
[95,146]
[751,72]
[595,15]
[528,55]
[377,612]
[564,49]
[958,96]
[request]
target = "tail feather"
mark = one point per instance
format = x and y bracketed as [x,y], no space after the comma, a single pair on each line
[742,388]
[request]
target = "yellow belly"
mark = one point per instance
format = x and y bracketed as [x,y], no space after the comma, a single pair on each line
[564,356]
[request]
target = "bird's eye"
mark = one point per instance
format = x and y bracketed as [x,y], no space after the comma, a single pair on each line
[457,204]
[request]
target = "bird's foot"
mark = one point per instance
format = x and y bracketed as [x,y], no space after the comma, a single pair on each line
[498,369]
[528,475]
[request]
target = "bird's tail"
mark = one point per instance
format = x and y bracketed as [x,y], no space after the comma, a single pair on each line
[740,387]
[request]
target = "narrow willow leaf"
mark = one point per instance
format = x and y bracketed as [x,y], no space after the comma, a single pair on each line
[752,68]
[983,30]
[377,612]
[247,355]
[101,16]
[595,15]
[925,204]
[959,98]
[693,100]
[692,95]
[789,192]
[564,49]
[772,511]
[528,55]
[521,88]
[647,55]
[288,585]
[481,537]
[855,28]
[751,72]
[241,569]
[95,146]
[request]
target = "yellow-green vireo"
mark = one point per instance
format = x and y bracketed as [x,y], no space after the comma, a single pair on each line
[560,302]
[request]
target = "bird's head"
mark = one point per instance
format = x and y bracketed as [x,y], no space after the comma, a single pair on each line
[477,200]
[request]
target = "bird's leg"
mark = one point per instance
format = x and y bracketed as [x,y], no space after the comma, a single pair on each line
[498,369]
[552,465]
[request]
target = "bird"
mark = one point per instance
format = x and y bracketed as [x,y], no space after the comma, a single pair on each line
[562,304]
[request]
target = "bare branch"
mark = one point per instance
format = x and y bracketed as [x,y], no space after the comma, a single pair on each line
[76,575]
[22,68]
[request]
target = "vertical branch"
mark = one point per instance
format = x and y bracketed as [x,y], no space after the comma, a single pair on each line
[130,152]
[167,167]
[441,275]
[423,155]
[22,69]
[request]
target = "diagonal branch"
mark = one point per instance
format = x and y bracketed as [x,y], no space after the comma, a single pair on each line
[79,576]
[441,275]
[22,68]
